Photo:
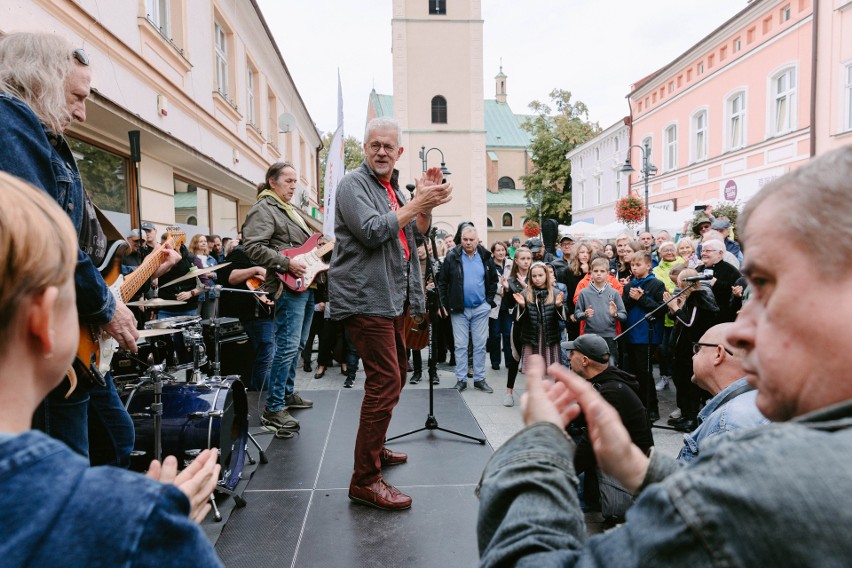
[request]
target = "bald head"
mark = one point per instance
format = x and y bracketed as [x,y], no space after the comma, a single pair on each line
[717,364]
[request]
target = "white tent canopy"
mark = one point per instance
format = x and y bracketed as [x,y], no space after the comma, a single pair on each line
[660,219]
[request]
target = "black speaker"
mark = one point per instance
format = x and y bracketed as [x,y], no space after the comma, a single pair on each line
[549,233]
[236,356]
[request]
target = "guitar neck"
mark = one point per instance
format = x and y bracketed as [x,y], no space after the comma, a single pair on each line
[137,278]
[324,249]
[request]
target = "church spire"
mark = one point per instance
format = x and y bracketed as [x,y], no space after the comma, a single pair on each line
[500,80]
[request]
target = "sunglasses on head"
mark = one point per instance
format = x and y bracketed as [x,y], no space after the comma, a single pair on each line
[81,56]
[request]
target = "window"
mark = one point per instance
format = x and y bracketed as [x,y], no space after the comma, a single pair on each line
[272,134]
[505,182]
[671,87]
[699,136]
[616,143]
[750,34]
[679,81]
[701,68]
[783,101]
[598,199]
[640,106]
[848,97]
[723,53]
[191,207]
[688,75]
[104,176]
[738,45]
[670,157]
[767,24]
[439,110]
[618,184]
[785,13]
[221,37]
[157,12]
[223,215]
[710,61]
[489,222]
[582,194]
[251,98]
[507,219]
[437,8]
[736,121]
[597,154]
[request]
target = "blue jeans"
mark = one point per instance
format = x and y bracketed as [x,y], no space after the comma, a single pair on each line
[475,322]
[94,424]
[261,332]
[500,329]
[294,312]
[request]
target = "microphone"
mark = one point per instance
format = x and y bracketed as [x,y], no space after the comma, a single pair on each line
[707,275]
[410,187]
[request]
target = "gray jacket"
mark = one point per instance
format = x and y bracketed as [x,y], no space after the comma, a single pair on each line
[267,230]
[601,323]
[777,495]
[369,274]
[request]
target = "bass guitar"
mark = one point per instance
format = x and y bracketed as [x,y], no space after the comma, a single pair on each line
[96,347]
[310,254]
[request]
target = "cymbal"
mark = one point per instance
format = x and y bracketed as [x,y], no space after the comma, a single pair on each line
[194,273]
[155,303]
[143,333]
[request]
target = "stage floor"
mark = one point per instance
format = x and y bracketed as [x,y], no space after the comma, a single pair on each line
[298,512]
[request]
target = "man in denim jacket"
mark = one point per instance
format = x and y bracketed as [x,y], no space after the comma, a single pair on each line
[777,495]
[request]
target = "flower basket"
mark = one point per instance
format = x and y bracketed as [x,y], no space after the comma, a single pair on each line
[531,229]
[630,210]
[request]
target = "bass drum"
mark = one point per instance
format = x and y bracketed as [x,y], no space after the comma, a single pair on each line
[195,417]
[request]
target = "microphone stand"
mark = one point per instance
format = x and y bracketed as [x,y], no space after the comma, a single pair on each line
[649,318]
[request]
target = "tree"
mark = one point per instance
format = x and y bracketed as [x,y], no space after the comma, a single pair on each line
[353,155]
[553,136]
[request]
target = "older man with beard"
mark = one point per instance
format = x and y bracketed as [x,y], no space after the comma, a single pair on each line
[777,495]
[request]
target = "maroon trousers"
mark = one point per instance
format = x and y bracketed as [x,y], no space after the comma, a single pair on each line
[381,345]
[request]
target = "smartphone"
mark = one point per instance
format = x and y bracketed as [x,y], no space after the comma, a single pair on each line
[700,208]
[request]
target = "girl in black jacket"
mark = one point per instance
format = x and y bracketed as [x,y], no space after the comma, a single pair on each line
[538,316]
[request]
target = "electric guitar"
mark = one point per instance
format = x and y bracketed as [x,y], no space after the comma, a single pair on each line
[311,255]
[96,347]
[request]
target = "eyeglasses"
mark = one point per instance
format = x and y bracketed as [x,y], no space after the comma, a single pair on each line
[376,146]
[697,345]
[81,56]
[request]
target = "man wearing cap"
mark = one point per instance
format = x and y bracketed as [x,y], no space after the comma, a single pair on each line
[149,232]
[560,265]
[516,242]
[701,225]
[589,358]
[538,252]
[724,227]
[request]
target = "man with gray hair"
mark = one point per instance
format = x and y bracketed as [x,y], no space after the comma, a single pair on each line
[467,283]
[743,501]
[725,276]
[374,278]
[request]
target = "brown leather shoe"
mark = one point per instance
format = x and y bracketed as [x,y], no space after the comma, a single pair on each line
[389,457]
[381,495]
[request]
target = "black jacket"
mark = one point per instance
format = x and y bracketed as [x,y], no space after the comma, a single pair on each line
[532,317]
[451,279]
[726,276]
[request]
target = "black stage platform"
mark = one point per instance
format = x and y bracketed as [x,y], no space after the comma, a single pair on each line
[298,512]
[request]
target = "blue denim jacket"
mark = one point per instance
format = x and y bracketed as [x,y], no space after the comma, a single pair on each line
[778,495]
[58,511]
[738,413]
[29,150]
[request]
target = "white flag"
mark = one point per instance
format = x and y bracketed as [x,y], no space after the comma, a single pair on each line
[334,168]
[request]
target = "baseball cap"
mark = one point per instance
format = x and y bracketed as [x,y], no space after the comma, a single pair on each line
[592,346]
[533,244]
[146,226]
[134,234]
[720,224]
[564,236]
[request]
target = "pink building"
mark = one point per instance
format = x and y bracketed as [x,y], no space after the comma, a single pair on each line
[733,112]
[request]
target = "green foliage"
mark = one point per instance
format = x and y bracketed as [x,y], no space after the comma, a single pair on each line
[353,155]
[553,136]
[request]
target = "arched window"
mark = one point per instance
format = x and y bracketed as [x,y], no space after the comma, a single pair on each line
[506,182]
[439,110]
[490,223]
[507,219]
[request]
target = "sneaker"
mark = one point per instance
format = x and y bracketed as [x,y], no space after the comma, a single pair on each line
[296,401]
[434,378]
[280,420]
[381,495]
[662,384]
[461,385]
[347,384]
[509,399]
[415,378]
[483,386]
[676,414]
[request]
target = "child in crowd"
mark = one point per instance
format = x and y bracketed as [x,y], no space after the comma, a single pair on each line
[539,315]
[599,307]
[563,289]
[643,293]
[515,284]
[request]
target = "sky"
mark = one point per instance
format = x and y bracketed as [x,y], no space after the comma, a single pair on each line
[594,48]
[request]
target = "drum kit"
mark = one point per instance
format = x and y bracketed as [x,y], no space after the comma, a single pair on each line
[176,408]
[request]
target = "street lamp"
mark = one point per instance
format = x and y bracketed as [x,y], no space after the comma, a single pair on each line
[648,169]
[530,204]
[423,155]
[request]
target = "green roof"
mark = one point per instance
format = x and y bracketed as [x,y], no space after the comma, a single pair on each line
[507,197]
[502,127]
[382,104]
[492,156]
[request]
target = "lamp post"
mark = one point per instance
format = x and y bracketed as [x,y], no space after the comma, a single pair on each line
[648,169]
[424,153]
[530,204]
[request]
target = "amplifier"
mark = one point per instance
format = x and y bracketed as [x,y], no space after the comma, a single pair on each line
[236,355]
[228,327]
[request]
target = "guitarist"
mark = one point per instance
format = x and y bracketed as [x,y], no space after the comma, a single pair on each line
[38,101]
[273,224]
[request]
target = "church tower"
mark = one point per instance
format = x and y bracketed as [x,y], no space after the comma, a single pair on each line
[438,100]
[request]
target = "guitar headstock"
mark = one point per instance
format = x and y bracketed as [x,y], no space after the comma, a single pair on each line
[177,235]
